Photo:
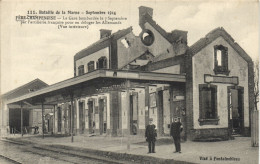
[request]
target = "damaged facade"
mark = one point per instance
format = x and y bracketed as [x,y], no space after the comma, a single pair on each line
[157,75]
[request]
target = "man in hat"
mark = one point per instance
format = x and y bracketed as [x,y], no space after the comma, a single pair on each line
[176,129]
[150,134]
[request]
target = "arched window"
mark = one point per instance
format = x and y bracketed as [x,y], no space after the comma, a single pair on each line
[81,70]
[102,63]
[91,66]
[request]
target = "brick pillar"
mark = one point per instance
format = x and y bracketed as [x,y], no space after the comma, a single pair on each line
[114,112]
[5,120]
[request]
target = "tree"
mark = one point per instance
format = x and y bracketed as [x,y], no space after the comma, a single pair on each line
[256,87]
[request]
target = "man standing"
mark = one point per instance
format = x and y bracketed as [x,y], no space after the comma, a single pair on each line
[150,134]
[176,129]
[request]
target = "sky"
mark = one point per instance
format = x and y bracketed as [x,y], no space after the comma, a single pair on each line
[46,52]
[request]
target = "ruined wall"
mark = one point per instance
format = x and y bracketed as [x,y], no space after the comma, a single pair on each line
[203,63]
[172,69]
[128,52]
[160,45]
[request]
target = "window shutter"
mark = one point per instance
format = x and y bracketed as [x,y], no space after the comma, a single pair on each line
[225,52]
[213,102]
[207,109]
[97,64]
[234,102]
[208,101]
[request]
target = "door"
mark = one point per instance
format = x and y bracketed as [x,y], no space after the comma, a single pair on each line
[236,117]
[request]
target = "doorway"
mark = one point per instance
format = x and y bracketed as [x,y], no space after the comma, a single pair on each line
[15,120]
[133,113]
[236,111]
[59,119]
[81,117]
[91,116]
[160,113]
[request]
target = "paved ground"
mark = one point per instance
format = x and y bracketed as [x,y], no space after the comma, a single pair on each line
[232,151]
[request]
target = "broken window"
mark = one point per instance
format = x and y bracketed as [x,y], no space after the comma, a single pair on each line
[147,37]
[221,60]
[126,43]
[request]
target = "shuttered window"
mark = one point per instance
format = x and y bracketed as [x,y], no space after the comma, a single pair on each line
[208,101]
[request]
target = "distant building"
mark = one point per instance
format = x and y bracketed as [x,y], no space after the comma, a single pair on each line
[32,114]
[122,80]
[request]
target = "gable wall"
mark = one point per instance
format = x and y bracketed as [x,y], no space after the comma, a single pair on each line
[203,63]
[126,55]
[160,44]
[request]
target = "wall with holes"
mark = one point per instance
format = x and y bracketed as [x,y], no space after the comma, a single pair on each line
[129,48]
[160,45]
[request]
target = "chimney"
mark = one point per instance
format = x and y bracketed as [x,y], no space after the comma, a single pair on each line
[142,11]
[104,33]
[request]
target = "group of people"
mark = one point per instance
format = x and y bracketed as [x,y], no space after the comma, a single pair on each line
[175,132]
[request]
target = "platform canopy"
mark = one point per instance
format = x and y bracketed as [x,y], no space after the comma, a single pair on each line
[89,83]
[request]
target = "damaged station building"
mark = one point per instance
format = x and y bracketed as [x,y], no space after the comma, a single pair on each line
[122,80]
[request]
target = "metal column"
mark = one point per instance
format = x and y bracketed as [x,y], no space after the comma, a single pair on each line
[71,117]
